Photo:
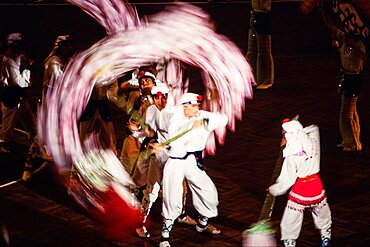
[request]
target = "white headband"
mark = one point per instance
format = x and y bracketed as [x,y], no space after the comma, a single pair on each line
[190,98]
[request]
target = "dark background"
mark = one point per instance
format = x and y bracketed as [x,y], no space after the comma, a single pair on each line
[40,213]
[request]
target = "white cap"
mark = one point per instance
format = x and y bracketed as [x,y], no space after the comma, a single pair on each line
[14,38]
[160,88]
[146,74]
[190,98]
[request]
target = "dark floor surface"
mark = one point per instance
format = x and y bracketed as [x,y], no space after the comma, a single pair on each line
[40,213]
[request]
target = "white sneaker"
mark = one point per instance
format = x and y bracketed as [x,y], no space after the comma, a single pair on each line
[164,244]
[142,232]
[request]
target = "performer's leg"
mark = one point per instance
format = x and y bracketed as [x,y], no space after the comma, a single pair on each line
[203,190]
[130,152]
[264,71]
[184,218]
[265,62]
[204,194]
[166,228]
[291,223]
[173,175]
[33,153]
[356,129]
[154,180]
[252,50]
[322,219]
[27,119]
[108,135]
[140,173]
[184,194]
[349,124]
[9,118]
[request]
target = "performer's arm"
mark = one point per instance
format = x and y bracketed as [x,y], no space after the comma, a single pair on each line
[286,178]
[53,71]
[214,120]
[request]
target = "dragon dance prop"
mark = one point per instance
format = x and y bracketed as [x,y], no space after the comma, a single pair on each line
[93,176]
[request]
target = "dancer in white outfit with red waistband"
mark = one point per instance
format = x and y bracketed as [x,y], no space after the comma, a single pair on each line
[186,162]
[300,171]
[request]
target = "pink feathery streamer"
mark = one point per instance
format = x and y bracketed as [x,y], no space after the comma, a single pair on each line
[94,178]
[200,46]
[116,16]
[183,33]
[112,15]
[171,72]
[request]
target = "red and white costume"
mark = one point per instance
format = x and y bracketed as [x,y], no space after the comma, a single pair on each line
[300,171]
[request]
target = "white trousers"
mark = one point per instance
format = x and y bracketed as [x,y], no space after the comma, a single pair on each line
[292,220]
[204,192]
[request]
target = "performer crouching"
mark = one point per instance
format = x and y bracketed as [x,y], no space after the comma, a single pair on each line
[300,171]
[186,162]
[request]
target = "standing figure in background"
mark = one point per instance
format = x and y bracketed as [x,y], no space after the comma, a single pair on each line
[352,55]
[300,171]
[62,51]
[259,52]
[348,32]
[15,78]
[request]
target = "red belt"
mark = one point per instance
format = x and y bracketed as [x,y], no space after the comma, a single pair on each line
[308,178]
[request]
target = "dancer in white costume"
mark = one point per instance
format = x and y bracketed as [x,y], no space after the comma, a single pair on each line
[186,162]
[149,171]
[300,171]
